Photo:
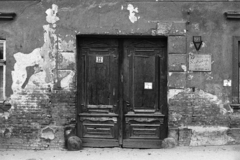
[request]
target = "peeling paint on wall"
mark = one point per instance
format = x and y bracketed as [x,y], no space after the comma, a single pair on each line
[66,46]
[190,77]
[122,7]
[66,81]
[163,28]
[196,26]
[132,13]
[173,92]
[69,57]
[213,99]
[184,67]
[212,135]
[191,45]
[208,76]
[204,45]
[43,57]
[36,69]
[48,133]
[175,116]
[52,14]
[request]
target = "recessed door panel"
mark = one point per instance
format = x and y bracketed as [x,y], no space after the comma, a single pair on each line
[98,80]
[144,82]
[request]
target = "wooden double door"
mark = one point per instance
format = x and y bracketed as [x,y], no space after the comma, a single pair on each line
[122,94]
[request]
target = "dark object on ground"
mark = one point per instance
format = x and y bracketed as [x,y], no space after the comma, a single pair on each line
[72,142]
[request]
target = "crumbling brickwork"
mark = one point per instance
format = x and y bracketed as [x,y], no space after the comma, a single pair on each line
[39,127]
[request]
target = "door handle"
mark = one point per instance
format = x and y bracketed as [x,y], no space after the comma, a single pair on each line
[127,104]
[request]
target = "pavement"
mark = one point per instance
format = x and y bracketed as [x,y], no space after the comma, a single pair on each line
[230,152]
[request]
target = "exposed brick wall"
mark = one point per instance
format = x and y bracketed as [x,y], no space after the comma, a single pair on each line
[24,128]
[197,108]
[189,109]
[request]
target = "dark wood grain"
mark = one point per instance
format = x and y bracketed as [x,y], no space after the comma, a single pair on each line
[117,109]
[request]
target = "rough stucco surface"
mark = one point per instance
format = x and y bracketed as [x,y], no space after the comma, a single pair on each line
[41,66]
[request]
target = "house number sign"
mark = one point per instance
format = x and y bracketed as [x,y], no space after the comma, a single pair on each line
[99,59]
[200,62]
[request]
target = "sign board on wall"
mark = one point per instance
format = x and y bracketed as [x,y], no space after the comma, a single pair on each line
[200,62]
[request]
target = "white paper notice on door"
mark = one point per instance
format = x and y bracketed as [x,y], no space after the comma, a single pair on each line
[148,85]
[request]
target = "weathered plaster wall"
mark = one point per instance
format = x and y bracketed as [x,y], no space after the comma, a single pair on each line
[41,66]
[201,99]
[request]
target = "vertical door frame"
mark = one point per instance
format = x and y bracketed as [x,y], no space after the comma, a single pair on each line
[235,70]
[79,85]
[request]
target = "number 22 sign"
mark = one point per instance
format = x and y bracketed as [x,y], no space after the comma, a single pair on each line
[99,59]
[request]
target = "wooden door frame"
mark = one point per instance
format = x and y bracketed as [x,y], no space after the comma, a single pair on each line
[235,70]
[80,74]
[235,74]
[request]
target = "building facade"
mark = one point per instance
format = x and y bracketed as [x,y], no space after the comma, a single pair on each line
[126,73]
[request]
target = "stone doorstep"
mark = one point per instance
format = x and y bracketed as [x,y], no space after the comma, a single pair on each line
[201,136]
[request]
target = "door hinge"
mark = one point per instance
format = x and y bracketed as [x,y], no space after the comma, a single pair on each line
[121,78]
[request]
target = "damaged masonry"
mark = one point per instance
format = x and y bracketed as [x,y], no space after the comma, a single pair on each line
[118,73]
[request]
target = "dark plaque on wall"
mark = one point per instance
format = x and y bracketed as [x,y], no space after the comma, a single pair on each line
[200,62]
